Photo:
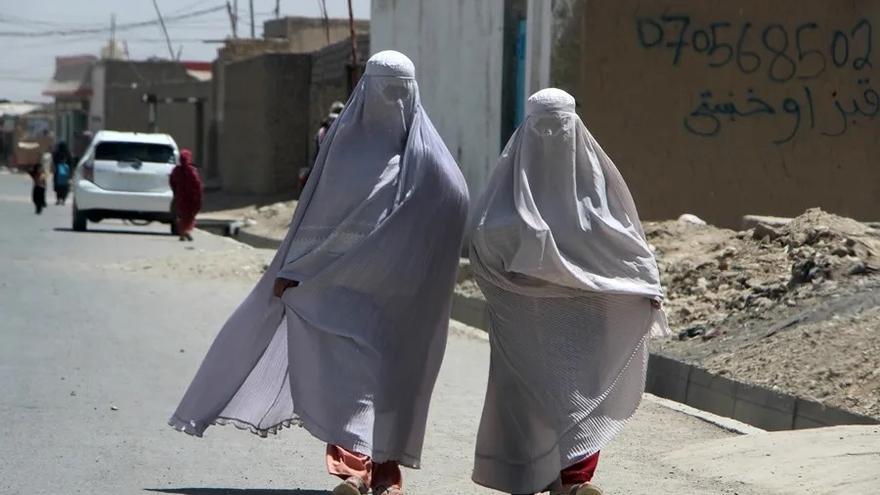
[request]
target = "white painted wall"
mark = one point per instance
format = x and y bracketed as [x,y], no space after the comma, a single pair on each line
[539,48]
[457,48]
[96,106]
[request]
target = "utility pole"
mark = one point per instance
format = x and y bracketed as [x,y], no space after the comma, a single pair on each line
[253,34]
[164,30]
[277,9]
[355,67]
[326,18]
[112,54]
[235,9]
[232,24]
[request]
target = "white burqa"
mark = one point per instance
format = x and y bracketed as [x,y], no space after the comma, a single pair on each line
[353,352]
[559,252]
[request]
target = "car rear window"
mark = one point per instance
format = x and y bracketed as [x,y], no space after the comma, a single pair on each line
[131,152]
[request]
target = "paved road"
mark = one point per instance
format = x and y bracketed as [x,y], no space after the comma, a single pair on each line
[79,338]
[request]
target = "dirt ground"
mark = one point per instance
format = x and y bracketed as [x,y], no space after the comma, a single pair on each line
[238,262]
[794,307]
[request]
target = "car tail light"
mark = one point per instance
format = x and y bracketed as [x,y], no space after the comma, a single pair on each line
[88,172]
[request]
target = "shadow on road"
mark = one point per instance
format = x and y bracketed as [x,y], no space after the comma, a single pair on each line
[108,231]
[235,491]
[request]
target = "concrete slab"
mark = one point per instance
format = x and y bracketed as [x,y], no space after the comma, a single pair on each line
[840,460]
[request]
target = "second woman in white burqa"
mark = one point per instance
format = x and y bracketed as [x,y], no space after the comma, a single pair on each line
[573,292]
[351,348]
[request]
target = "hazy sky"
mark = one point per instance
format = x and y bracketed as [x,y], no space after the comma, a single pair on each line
[27,51]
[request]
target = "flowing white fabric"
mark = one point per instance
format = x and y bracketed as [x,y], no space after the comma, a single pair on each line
[353,352]
[559,252]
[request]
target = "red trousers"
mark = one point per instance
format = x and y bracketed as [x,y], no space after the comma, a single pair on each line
[344,463]
[580,472]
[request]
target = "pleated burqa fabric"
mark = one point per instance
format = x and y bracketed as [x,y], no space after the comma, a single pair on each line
[353,352]
[559,252]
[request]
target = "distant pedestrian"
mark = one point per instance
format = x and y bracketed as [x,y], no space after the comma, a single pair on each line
[574,295]
[345,332]
[335,109]
[62,168]
[186,184]
[38,191]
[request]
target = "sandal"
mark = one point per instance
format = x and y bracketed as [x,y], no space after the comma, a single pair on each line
[351,486]
[391,490]
[579,489]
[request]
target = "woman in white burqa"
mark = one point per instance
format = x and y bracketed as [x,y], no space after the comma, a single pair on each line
[574,294]
[345,332]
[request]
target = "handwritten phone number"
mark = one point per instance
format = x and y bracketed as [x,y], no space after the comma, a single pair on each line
[805,54]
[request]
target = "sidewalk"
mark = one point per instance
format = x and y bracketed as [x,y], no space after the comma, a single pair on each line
[664,450]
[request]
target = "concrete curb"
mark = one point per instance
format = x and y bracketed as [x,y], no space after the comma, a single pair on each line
[235,229]
[256,241]
[217,226]
[692,386]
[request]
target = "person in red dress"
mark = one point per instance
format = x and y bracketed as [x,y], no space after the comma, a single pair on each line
[187,187]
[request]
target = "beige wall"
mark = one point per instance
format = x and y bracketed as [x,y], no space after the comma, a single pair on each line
[265,138]
[307,34]
[330,80]
[769,137]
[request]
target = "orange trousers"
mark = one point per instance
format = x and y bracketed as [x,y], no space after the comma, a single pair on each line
[344,463]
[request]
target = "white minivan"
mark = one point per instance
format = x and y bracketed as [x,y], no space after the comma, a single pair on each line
[124,175]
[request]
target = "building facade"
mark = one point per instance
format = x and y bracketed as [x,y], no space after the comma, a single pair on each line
[121,88]
[71,88]
[714,108]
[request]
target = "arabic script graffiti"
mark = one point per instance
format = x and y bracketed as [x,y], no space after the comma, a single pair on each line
[708,118]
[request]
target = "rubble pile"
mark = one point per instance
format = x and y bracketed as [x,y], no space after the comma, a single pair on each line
[711,274]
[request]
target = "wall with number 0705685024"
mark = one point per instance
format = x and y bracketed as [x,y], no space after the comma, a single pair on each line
[723,108]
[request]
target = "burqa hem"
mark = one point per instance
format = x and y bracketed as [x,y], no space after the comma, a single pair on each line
[190,428]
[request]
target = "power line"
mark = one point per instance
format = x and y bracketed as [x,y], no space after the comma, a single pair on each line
[101,30]
[18,21]
[22,79]
[197,3]
[164,30]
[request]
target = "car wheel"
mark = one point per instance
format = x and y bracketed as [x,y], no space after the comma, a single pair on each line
[80,221]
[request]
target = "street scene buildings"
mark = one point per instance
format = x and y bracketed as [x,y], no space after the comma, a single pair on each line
[189,139]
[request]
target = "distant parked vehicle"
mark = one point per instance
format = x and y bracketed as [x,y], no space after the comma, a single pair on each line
[124,175]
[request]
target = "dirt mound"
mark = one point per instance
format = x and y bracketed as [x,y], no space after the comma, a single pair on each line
[793,307]
[710,273]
